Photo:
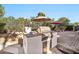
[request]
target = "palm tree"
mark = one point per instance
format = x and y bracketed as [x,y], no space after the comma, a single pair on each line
[1,10]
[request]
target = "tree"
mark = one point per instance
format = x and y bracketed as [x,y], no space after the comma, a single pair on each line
[64,22]
[41,14]
[53,19]
[1,10]
[1,19]
[75,24]
[32,18]
[20,23]
[10,23]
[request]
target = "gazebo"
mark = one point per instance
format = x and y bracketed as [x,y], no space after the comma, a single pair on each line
[41,17]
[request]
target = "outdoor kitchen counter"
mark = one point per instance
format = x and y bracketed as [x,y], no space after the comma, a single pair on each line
[37,43]
[38,34]
[32,35]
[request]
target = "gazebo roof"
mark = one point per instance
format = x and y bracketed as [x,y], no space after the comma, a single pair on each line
[41,18]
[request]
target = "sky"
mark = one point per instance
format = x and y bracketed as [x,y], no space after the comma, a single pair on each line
[55,11]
